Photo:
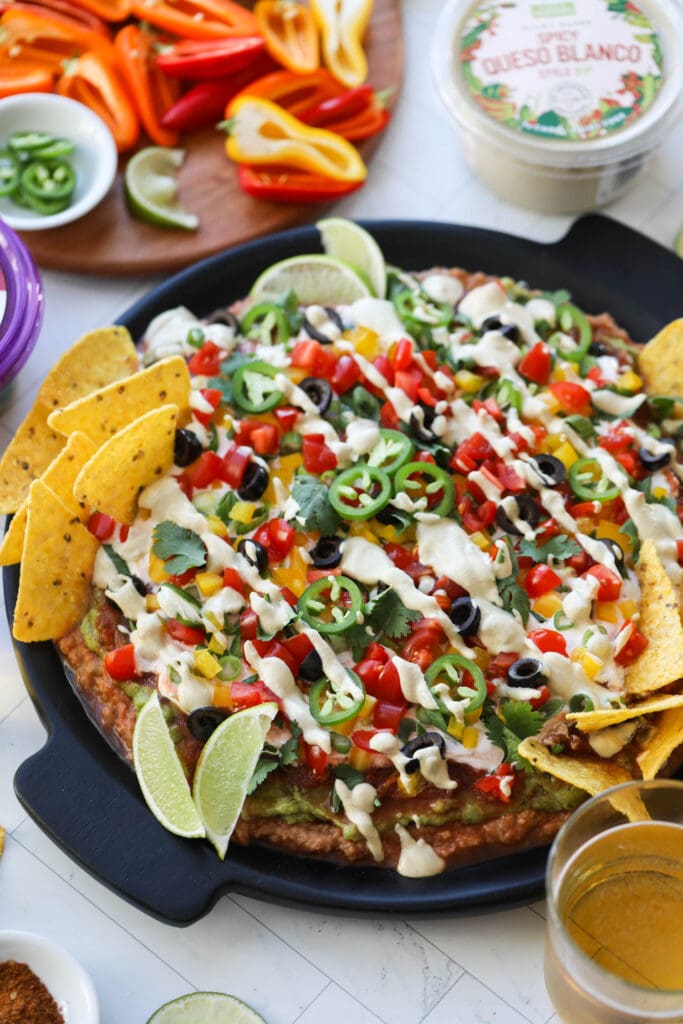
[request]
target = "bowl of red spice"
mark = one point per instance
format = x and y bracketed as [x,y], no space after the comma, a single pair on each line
[41,983]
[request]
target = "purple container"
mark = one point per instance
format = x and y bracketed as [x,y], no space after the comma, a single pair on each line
[21,306]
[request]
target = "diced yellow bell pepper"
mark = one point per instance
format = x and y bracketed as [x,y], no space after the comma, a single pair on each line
[360,759]
[566,453]
[605,528]
[243,512]
[628,608]
[217,526]
[468,381]
[206,664]
[152,603]
[261,132]
[365,341]
[292,575]
[558,374]
[455,728]
[347,727]
[222,697]
[551,403]
[361,530]
[216,646]
[296,374]
[156,568]
[470,737]
[547,605]
[481,539]
[342,25]
[629,381]
[608,611]
[588,662]
[208,583]
[285,468]
[409,786]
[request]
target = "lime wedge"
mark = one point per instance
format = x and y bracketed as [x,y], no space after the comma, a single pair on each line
[349,242]
[160,774]
[206,1008]
[314,278]
[151,187]
[224,770]
[678,244]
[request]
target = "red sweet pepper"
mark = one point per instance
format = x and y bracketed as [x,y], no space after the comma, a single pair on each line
[355,114]
[286,185]
[296,92]
[209,58]
[204,103]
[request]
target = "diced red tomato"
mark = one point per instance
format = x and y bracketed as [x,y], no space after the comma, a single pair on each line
[369,670]
[346,374]
[541,580]
[388,416]
[312,356]
[399,555]
[232,579]
[361,738]
[610,582]
[537,363]
[548,640]
[286,415]
[234,464]
[471,452]
[572,397]
[633,648]
[101,526]
[277,537]
[204,470]
[265,439]
[381,363]
[299,647]
[498,785]
[387,687]
[248,695]
[189,635]
[318,457]
[316,759]
[120,663]
[403,354]
[409,381]
[543,698]
[248,624]
[213,397]
[679,551]
[579,562]
[618,439]
[275,649]
[183,578]
[388,716]
[206,362]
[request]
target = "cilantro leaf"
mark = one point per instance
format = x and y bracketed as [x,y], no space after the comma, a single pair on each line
[289,751]
[274,757]
[387,614]
[181,549]
[264,766]
[559,548]
[120,564]
[315,511]
[514,597]
[514,722]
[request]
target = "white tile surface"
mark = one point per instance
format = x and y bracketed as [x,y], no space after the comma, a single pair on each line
[295,966]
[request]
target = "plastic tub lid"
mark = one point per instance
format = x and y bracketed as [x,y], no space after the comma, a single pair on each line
[564,83]
[21,304]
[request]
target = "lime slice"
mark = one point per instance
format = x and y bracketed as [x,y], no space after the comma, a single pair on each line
[206,1008]
[224,770]
[151,187]
[314,278]
[346,241]
[678,244]
[160,774]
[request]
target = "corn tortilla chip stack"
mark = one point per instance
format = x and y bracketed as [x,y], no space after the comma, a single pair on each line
[103,413]
[60,476]
[133,458]
[98,358]
[661,663]
[601,718]
[661,362]
[56,568]
[667,736]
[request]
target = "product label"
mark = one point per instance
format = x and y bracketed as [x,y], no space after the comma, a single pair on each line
[562,69]
[3,299]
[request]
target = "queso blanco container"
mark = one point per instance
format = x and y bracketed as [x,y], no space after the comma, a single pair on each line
[559,103]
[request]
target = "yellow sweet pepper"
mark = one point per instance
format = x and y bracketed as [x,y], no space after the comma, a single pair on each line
[342,25]
[290,34]
[261,132]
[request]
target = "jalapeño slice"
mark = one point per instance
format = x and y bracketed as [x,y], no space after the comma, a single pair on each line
[588,481]
[264,318]
[574,323]
[449,670]
[48,180]
[360,492]
[253,387]
[9,173]
[331,705]
[392,451]
[425,480]
[331,605]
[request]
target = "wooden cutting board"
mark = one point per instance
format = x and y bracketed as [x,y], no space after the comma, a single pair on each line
[110,241]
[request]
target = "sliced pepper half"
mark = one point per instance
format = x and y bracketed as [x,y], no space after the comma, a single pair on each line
[342,25]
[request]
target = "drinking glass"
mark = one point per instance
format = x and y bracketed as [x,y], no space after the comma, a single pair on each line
[614,942]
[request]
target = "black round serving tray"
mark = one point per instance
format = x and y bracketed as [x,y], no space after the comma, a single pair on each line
[87,800]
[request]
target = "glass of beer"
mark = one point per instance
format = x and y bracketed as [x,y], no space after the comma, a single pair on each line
[614,945]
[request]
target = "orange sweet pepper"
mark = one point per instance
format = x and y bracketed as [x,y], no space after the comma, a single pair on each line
[290,33]
[95,83]
[152,91]
[23,76]
[108,10]
[47,39]
[197,19]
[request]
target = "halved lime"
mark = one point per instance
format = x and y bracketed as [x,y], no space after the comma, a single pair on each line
[206,1008]
[313,278]
[160,774]
[224,770]
[151,187]
[344,240]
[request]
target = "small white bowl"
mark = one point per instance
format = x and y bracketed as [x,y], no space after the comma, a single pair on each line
[67,982]
[94,159]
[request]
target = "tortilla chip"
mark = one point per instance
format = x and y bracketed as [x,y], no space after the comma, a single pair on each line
[98,358]
[60,475]
[56,569]
[661,663]
[668,734]
[2,840]
[133,458]
[660,362]
[103,413]
[601,718]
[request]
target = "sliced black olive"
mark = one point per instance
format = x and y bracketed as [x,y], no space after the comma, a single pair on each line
[254,482]
[419,424]
[327,553]
[615,548]
[311,668]
[254,553]
[527,510]
[465,615]
[224,316]
[526,672]
[552,469]
[203,721]
[186,447]
[427,739]
[314,332]
[389,516]
[139,585]
[596,348]
[491,323]
[319,392]
[652,461]
[511,331]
